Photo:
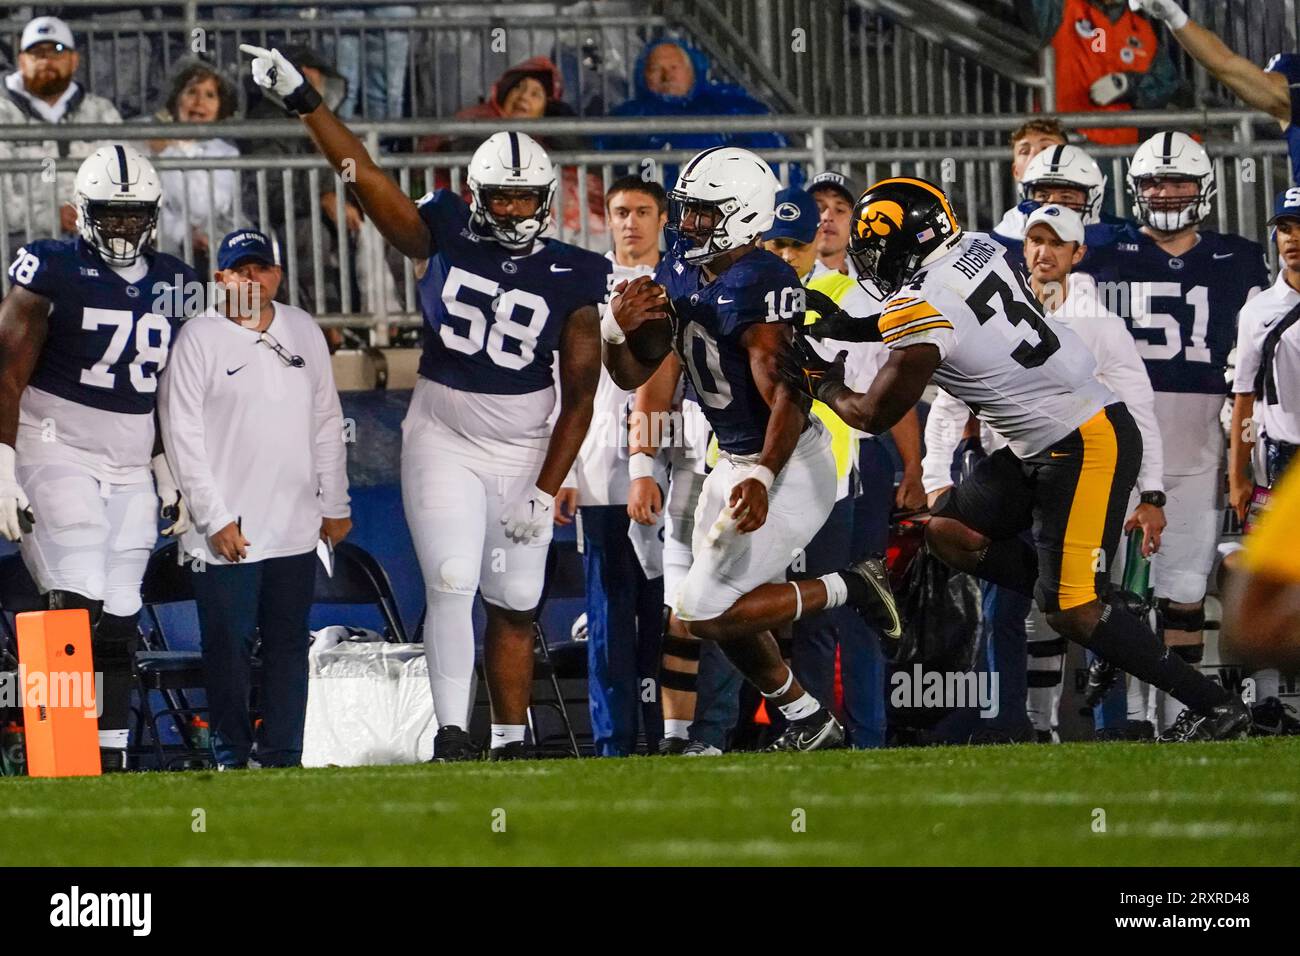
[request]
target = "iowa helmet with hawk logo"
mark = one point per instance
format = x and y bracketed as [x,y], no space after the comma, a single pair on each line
[898,226]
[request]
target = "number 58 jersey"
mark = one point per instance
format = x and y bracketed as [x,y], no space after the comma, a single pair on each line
[1028,378]
[92,393]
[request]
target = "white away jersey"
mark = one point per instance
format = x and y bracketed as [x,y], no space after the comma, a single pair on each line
[1277,402]
[1030,379]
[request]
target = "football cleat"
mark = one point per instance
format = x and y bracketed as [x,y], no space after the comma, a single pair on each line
[452,745]
[515,750]
[1130,730]
[672,746]
[821,731]
[1101,678]
[1272,718]
[1228,721]
[875,602]
[698,748]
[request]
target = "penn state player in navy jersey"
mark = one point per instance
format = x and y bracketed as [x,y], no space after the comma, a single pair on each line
[1179,288]
[480,463]
[731,307]
[84,332]
[1274,89]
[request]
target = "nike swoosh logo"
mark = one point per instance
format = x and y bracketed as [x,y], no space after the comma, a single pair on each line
[722,301]
[232,371]
[555,268]
[1223,255]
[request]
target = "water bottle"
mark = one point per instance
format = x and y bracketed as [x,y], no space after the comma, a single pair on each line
[13,750]
[1137,569]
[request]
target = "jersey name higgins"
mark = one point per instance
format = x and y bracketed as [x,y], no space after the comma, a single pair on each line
[975,258]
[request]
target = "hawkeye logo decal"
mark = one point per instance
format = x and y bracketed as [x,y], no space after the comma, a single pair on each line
[881,218]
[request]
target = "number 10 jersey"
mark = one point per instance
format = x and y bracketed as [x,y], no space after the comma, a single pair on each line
[1027,377]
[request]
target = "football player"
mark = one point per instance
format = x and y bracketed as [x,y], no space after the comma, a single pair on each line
[1270,89]
[1179,288]
[731,308]
[955,311]
[84,332]
[480,464]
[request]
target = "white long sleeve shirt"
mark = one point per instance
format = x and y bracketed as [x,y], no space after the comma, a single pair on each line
[251,438]
[1119,368]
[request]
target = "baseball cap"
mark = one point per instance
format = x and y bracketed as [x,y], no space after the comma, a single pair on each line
[796,216]
[1286,205]
[1062,220]
[836,181]
[47,30]
[246,245]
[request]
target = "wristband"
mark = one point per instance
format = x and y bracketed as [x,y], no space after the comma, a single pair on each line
[610,330]
[1177,19]
[763,475]
[304,99]
[641,465]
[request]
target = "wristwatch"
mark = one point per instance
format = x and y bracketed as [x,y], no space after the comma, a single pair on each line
[1156,498]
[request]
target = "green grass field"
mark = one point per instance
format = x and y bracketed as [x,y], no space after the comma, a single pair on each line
[1203,804]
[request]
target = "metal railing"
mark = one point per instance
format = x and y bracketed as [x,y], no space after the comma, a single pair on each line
[354,279]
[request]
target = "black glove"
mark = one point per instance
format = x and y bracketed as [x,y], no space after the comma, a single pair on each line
[805,371]
[835,323]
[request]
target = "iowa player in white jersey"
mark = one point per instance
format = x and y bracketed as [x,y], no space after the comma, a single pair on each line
[84,333]
[481,462]
[955,311]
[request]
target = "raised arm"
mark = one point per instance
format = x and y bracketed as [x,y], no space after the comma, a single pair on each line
[395,216]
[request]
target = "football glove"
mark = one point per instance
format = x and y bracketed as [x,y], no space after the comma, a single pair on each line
[272,71]
[805,371]
[171,504]
[15,513]
[1174,16]
[527,518]
[835,323]
[1111,88]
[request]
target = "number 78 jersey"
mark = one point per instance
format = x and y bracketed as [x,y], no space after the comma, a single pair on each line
[1027,377]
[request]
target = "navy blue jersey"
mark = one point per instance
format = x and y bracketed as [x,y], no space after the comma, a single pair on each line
[492,321]
[1288,64]
[108,339]
[710,319]
[1182,311]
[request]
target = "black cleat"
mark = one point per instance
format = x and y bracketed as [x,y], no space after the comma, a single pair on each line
[1229,721]
[871,596]
[1101,678]
[515,750]
[821,731]
[1139,730]
[452,745]
[1272,718]
[672,746]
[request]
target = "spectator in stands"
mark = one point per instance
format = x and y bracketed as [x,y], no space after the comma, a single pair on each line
[332,88]
[42,90]
[1108,59]
[624,602]
[196,202]
[122,59]
[835,197]
[529,90]
[1031,138]
[372,60]
[671,78]
[261,460]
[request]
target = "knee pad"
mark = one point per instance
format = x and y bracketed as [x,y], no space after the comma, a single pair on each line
[1192,653]
[457,575]
[1180,619]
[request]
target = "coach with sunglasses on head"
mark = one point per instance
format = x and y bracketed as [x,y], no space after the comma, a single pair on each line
[254,432]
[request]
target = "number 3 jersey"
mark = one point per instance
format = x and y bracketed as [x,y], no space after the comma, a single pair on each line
[1027,377]
[92,393]
[710,319]
[492,326]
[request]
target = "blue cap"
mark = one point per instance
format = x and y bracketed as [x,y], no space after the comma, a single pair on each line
[797,216]
[244,245]
[1287,205]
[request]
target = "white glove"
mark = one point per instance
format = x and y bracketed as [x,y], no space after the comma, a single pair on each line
[13,502]
[273,71]
[1109,89]
[527,518]
[171,504]
[1174,16]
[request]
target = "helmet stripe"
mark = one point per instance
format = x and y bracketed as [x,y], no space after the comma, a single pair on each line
[691,165]
[938,194]
[1169,148]
[514,152]
[121,165]
[1056,157]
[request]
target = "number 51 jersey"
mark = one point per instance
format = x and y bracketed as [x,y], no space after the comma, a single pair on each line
[92,393]
[1027,377]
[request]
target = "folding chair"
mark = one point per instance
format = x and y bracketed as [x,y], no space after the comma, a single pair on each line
[359,578]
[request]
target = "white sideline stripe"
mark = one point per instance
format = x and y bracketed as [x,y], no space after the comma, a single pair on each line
[747,849]
[1198,830]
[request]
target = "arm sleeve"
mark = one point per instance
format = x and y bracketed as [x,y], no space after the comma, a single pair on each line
[1248,355]
[331,452]
[1127,377]
[943,429]
[180,413]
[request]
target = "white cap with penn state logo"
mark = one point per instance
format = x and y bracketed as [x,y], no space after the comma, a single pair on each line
[1062,220]
[47,30]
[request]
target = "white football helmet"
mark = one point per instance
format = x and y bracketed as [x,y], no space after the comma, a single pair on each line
[1175,156]
[1067,166]
[117,194]
[725,186]
[510,162]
